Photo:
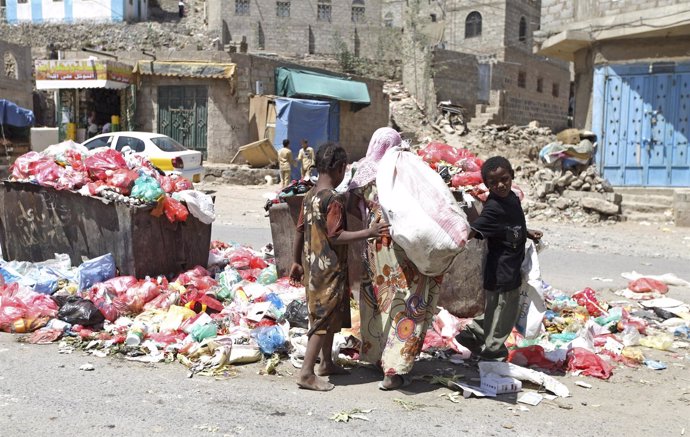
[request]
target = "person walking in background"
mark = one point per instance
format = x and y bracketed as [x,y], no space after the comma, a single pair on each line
[397,302]
[285,163]
[320,258]
[306,157]
[180,7]
[502,224]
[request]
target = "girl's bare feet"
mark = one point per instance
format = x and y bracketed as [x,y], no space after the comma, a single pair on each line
[330,369]
[313,382]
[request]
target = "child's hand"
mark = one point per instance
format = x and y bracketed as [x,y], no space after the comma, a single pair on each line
[534,235]
[379,229]
[296,274]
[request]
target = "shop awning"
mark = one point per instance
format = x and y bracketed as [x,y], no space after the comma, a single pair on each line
[83,73]
[14,115]
[185,69]
[302,83]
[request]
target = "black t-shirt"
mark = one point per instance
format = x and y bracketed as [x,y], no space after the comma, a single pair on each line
[502,224]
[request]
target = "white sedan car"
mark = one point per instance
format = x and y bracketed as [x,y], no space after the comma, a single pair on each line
[163,152]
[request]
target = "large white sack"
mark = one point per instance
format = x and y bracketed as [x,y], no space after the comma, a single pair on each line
[425,219]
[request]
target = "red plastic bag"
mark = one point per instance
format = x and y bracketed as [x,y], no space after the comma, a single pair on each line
[122,179]
[531,356]
[646,285]
[100,163]
[166,183]
[74,159]
[23,310]
[71,179]
[466,179]
[46,172]
[174,210]
[587,298]
[471,164]
[21,168]
[589,363]
[182,184]
[137,296]
[435,152]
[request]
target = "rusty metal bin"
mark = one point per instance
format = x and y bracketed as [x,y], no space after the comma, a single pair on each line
[37,222]
[462,291]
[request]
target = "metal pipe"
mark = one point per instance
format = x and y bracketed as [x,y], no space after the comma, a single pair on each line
[98,52]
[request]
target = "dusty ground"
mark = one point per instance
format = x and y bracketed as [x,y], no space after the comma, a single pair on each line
[43,392]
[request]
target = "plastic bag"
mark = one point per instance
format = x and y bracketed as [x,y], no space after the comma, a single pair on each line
[268,276]
[466,179]
[96,270]
[78,311]
[435,152]
[660,341]
[174,210]
[227,279]
[137,296]
[531,356]
[71,179]
[269,338]
[101,162]
[181,183]
[147,188]
[21,168]
[297,314]
[532,305]
[425,219]
[202,332]
[46,172]
[123,180]
[646,285]
[589,363]
[587,298]
[200,205]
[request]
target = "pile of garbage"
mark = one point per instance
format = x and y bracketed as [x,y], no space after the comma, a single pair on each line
[296,188]
[113,176]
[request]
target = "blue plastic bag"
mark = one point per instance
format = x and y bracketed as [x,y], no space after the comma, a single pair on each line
[147,188]
[269,338]
[96,270]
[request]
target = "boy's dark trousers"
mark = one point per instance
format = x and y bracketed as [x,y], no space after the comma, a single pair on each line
[487,333]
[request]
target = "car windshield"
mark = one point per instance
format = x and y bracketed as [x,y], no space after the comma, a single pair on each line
[167,144]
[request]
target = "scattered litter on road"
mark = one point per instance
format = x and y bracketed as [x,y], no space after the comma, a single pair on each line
[87,367]
[583,384]
[346,416]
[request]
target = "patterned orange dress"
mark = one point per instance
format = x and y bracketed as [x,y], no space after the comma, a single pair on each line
[397,302]
[325,266]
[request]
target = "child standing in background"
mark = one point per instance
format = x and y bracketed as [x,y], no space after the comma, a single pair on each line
[320,257]
[285,163]
[502,224]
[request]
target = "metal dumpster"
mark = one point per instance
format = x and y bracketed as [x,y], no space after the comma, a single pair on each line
[36,222]
[462,291]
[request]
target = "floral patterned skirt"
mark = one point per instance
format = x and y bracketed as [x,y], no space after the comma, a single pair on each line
[397,304]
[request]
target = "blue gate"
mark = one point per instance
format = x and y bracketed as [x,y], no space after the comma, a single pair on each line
[640,114]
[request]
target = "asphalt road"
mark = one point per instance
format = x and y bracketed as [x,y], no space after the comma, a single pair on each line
[43,392]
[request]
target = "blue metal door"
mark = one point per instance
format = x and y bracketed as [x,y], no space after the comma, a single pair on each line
[641,117]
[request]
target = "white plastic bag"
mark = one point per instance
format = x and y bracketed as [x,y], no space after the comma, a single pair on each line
[532,306]
[199,204]
[425,219]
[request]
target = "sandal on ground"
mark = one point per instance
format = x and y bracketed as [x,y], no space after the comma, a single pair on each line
[406,380]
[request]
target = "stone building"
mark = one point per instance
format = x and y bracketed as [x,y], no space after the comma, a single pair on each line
[301,27]
[216,99]
[632,82]
[15,74]
[479,55]
[69,11]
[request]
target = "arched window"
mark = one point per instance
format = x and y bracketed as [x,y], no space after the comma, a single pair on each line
[357,11]
[388,19]
[523,30]
[473,25]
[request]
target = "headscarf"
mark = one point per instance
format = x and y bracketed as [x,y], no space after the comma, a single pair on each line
[383,139]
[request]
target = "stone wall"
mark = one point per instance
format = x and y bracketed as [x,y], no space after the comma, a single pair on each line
[301,32]
[492,38]
[456,78]
[16,80]
[559,13]
[522,105]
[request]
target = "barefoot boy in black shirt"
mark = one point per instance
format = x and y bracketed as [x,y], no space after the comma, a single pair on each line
[502,224]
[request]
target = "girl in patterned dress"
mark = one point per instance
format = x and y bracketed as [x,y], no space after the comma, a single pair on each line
[397,302]
[320,258]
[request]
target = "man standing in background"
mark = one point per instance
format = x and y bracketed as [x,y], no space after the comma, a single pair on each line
[285,163]
[306,157]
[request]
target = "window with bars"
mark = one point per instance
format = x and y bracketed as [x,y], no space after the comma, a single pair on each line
[522,79]
[241,7]
[283,9]
[358,11]
[323,10]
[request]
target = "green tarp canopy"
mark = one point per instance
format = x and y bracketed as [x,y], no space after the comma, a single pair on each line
[302,83]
